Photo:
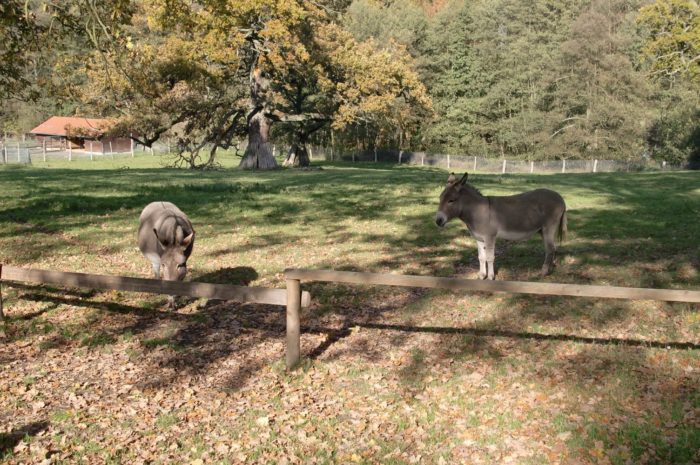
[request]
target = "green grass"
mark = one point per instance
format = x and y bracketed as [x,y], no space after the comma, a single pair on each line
[97,340]
[527,368]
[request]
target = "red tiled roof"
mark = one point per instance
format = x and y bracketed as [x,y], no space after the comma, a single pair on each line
[56,125]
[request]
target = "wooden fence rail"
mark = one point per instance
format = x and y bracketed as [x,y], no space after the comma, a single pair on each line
[294,298]
[513,287]
[258,295]
[295,276]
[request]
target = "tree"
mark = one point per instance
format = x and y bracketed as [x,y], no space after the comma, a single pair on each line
[673,41]
[36,38]
[492,68]
[219,69]
[671,50]
[17,30]
[598,101]
[674,135]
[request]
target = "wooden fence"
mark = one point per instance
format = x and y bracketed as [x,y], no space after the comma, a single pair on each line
[295,276]
[294,298]
[258,295]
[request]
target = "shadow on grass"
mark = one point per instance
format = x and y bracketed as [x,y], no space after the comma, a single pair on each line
[238,276]
[643,224]
[8,441]
[534,336]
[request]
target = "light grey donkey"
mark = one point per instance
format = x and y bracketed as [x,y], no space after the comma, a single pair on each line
[513,217]
[166,238]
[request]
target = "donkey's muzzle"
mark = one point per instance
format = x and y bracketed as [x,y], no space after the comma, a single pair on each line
[440,219]
[181,272]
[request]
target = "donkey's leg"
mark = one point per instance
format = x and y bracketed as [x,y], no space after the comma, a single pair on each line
[490,255]
[550,248]
[482,259]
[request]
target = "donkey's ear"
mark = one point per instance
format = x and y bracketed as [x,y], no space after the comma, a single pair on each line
[451,178]
[155,232]
[464,178]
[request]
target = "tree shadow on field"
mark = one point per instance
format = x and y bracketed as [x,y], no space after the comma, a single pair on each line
[245,337]
[249,334]
[47,217]
[645,226]
[238,276]
[647,223]
[8,441]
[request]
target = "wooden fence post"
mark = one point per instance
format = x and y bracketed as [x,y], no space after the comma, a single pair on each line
[503,170]
[375,154]
[422,159]
[448,161]
[91,153]
[18,152]
[532,167]
[111,152]
[293,323]
[70,150]
[132,145]
[43,148]
[474,169]
[2,311]
[563,165]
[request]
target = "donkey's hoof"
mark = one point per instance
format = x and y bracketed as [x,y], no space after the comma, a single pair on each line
[481,275]
[491,277]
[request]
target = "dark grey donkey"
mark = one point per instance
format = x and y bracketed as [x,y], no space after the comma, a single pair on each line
[513,217]
[166,238]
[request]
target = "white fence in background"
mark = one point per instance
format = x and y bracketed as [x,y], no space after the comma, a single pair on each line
[27,152]
[486,165]
[17,152]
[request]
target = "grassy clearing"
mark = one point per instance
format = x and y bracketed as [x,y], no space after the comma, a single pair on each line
[392,375]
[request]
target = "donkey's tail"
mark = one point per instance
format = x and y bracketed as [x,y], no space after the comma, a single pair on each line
[562,227]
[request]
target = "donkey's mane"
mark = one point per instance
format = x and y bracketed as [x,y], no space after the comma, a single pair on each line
[472,188]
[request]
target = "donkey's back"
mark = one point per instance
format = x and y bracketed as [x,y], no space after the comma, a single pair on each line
[519,216]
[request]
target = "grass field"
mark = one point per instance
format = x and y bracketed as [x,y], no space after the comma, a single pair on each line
[391,375]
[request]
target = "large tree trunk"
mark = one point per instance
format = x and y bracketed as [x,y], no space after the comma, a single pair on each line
[258,154]
[297,155]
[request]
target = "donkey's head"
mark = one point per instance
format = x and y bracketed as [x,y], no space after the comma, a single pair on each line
[176,246]
[450,205]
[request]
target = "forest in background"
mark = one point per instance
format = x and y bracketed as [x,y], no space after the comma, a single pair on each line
[520,79]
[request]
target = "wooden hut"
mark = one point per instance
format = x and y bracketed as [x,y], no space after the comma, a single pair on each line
[62,132]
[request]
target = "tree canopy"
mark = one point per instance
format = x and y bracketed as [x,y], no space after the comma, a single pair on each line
[542,79]
[211,71]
